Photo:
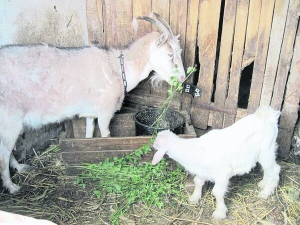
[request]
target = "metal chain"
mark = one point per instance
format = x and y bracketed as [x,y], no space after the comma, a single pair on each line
[121,57]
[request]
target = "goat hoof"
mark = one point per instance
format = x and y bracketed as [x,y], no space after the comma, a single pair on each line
[13,189]
[262,184]
[193,201]
[263,195]
[24,168]
[219,214]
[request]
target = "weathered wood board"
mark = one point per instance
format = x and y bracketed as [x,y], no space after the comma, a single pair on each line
[276,36]
[237,60]
[290,107]
[224,61]
[190,45]
[286,53]
[209,13]
[75,151]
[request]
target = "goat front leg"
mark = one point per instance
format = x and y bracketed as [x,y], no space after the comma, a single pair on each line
[90,127]
[219,191]
[196,196]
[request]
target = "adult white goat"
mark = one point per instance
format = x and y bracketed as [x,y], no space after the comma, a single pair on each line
[221,154]
[42,84]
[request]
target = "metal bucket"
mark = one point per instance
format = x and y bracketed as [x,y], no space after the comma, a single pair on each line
[145,119]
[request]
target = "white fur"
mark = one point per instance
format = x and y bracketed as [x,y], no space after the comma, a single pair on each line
[42,84]
[221,154]
[7,218]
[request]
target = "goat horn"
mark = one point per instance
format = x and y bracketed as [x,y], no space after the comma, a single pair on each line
[163,22]
[159,25]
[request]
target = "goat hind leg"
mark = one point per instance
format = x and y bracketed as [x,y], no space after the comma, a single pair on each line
[270,180]
[196,196]
[219,191]
[90,127]
[4,170]
[103,123]
[271,172]
[18,166]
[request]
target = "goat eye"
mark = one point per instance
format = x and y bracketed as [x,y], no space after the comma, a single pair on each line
[171,55]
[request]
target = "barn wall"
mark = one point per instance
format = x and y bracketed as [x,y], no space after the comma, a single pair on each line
[56,22]
[225,39]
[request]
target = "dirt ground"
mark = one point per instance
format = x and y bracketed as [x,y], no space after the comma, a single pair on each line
[48,193]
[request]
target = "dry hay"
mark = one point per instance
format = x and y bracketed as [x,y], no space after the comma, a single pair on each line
[48,193]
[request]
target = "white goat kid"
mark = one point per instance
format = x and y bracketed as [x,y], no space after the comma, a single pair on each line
[42,84]
[221,154]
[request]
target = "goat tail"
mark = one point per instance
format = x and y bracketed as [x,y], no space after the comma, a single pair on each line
[268,113]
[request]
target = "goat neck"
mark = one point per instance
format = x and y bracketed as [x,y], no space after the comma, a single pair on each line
[136,60]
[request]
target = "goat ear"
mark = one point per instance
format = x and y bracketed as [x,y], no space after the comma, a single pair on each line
[158,156]
[162,39]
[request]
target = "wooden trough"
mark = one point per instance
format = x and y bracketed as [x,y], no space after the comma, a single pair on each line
[123,140]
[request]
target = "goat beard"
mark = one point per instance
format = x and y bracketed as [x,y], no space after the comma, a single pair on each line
[156,81]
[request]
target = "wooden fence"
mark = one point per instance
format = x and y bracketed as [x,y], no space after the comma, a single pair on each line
[223,38]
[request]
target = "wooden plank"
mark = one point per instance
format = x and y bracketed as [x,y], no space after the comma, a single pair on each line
[278,26]
[290,107]
[178,20]
[286,53]
[76,158]
[252,32]
[261,54]
[95,22]
[99,144]
[224,61]
[236,63]
[142,8]
[190,45]
[118,18]
[209,13]
[162,7]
